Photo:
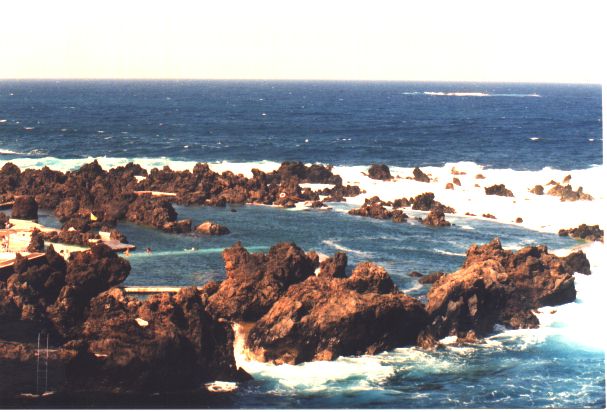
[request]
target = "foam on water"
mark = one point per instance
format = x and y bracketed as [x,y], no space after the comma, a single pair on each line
[359,373]
[335,245]
[542,213]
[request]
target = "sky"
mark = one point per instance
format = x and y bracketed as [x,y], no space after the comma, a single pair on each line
[514,41]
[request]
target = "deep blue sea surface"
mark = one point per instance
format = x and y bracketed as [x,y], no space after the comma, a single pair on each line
[343,123]
[523,127]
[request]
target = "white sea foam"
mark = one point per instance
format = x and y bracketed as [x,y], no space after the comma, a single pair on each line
[475,94]
[335,245]
[446,252]
[361,373]
[542,213]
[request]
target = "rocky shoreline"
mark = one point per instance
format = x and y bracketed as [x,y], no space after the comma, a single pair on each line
[292,305]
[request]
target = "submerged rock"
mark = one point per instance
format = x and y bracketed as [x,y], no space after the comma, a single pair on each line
[212,228]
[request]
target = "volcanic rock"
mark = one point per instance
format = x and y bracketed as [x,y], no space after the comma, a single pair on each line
[436,217]
[379,172]
[426,202]
[322,318]
[25,207]
[88,274]
[585,232]
[150,211]
[537,190]
[431,278]
[179,226]
[420,176]
[212,228]
[179,348]
[498,190]
[256,280]
[566,193]
[334,267]
[499,286]
[374,208]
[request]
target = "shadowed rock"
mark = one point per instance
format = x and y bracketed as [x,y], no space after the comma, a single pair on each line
[585,232]
[420,176]
[498,190]
[499,286]
[322,318]
[25,207]
[436,217]
[374,208]
[379,172]
[256,280]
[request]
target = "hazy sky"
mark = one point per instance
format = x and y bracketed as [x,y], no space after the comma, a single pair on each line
[486,40]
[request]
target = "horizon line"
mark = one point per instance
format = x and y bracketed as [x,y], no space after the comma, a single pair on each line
[293,80]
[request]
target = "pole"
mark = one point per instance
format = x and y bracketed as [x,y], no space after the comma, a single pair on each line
[38,365]
[46,367]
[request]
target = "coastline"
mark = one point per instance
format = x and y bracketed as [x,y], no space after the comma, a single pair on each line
[467,199]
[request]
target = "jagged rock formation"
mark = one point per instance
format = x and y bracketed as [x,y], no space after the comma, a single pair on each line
[322,318]
[436,217]
[498,190]
[25,207]
[499,286]
[374,208]
[379,172]
[420,176]
[585,232]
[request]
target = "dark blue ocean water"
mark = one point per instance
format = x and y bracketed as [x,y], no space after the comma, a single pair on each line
[343,123]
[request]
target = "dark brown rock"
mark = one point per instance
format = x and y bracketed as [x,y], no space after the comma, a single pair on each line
[322,318]
[585,232]
[334,267]
[420,176]
[498,190]
[436,217]
[255,281]
[431,278]
[374,208]
[25,207]
[379,172]
[426,202]
[499,286]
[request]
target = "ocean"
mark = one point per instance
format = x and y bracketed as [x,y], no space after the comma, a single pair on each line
[516,134]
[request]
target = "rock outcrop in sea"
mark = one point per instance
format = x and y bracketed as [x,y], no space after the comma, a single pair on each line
[101,198]
[500,286]
[498,190]
[584,232]
[379,172]
[375,208]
